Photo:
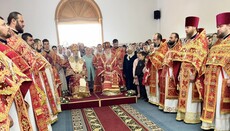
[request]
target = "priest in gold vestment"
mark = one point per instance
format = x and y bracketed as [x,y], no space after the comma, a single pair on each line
[191,57]
[155,67]
[36,66]
[168,89]
[76,71]
[11,79]
[216,105]
[27,92]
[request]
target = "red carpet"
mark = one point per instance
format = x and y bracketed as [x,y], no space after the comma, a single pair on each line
[111,118]
[98,100]
[107,118]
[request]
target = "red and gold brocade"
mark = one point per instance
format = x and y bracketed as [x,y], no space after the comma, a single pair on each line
[54,59]
[192,57]
[194,52]
[186,70]
[19,61]
[218,61]
[110,73]
[172,92]
[37,63]
[156,60]
[11,78]
[22,112]
[37,93]
[120,53]
[97,79]
[158,56]
[149,77]
[26,52]
[76,69]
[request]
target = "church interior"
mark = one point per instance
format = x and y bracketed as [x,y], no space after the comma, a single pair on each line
[114,65]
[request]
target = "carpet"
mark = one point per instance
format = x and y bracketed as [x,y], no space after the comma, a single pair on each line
[111,118]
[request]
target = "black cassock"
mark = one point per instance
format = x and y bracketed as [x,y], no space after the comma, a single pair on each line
[128,71]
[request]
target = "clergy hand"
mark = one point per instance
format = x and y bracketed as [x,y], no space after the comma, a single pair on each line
[192,78]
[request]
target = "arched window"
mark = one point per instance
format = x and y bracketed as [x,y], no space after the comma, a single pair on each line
[79,21]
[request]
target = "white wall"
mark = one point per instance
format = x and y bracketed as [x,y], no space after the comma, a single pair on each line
[126,20]
[174,12]
[38,15]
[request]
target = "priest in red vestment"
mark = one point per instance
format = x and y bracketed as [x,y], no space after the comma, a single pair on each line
[21,52]
[97,80]
[168,89]
[216,97]
[109,71]
[191,57]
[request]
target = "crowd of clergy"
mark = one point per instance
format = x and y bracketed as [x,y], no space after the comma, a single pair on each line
[189,76]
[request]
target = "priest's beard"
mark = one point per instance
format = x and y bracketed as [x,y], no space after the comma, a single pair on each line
[190,34]
[19,28]
[171,44]
[8,35]
[39,50]
[220,35]
[156,45]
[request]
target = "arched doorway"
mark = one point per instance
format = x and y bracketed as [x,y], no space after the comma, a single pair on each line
[79,21]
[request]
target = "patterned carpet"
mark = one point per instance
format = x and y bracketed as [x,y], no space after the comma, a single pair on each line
[111,118]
